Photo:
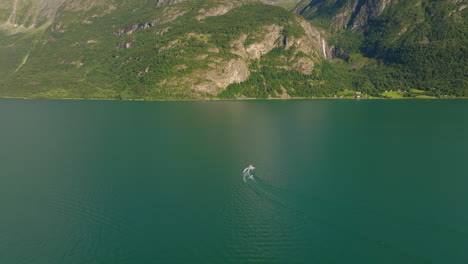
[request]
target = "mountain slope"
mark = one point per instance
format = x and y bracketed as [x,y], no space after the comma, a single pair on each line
[288,4]
[413,44]
[157,49]
[163,49]
[342,14]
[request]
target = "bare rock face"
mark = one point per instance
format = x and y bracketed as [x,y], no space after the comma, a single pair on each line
[356,13]
[125,45]
[353,13]
[215,11]
[312,42]
[369,9]
[281,2]
[168,2]
[170,14]
[128,30]
[223,74]
[221,8]
[271,37]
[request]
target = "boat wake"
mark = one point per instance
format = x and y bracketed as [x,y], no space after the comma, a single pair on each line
[247,174]
[271,193]
[312,210]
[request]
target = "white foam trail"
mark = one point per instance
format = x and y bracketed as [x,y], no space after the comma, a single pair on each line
[246,173]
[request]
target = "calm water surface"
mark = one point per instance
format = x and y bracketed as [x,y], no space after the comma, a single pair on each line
[337,181]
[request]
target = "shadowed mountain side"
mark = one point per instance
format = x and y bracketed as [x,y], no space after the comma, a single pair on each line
[414,47]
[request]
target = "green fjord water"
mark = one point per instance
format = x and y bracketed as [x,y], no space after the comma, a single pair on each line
[336,181]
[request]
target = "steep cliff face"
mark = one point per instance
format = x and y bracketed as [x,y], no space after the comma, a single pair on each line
[266,39]
[220,8]
[146,49]
[344,14]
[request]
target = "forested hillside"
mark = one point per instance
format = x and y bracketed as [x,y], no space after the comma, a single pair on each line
[148,49]
[418,45]
[202,49]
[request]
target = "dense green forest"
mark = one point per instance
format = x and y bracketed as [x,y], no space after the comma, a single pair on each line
[413,45]
[432,56]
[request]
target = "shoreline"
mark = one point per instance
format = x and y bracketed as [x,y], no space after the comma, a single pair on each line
[238,99]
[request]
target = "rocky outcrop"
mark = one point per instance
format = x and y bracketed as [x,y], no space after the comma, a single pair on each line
[272,37]
[313,41]
[222,75]
[170,14]
[221,8]
[310,45]
[128,30]
[168,2]
[125,45]
[285,3]
[365,10]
